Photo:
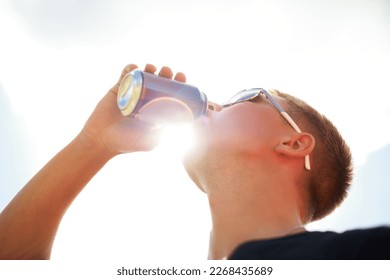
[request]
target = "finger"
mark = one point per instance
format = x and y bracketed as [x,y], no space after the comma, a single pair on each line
[180,77]
[127,69]
[166,72]
[149,140]
[150,68]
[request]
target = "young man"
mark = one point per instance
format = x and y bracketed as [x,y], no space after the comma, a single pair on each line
[266,174]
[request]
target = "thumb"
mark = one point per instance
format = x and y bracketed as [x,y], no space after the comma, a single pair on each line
[149,140]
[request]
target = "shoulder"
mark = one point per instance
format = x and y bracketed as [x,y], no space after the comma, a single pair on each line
[372,243]
[382,232]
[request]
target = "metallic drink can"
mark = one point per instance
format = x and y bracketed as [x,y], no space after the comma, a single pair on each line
[159,100]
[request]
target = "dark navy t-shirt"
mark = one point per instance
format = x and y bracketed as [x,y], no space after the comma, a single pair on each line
[361,244]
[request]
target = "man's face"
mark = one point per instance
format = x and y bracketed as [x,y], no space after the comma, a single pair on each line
[247,130]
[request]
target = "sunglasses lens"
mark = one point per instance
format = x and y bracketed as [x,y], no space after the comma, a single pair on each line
[242,96]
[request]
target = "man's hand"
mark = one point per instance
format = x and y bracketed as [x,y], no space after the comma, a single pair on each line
[29,223]
[117,134]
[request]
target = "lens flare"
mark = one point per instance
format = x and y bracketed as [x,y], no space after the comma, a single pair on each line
[176,140]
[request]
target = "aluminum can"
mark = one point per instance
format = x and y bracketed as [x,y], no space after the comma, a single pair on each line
[159,100]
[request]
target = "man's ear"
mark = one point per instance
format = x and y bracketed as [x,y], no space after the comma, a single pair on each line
[296,145]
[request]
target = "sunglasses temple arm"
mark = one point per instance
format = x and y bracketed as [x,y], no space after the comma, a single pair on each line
[290,121]
[296,128]
[307,162]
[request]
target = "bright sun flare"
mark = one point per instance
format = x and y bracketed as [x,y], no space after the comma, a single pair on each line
[176,140]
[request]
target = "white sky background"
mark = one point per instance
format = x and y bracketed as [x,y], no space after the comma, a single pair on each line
[58,58]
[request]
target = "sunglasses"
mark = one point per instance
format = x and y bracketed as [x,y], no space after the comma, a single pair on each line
[250,94]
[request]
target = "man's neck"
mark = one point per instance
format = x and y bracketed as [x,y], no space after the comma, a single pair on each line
[250,214]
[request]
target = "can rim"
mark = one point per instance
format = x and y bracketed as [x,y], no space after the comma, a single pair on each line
[129,92]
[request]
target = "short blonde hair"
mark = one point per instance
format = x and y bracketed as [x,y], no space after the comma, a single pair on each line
[328,181]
